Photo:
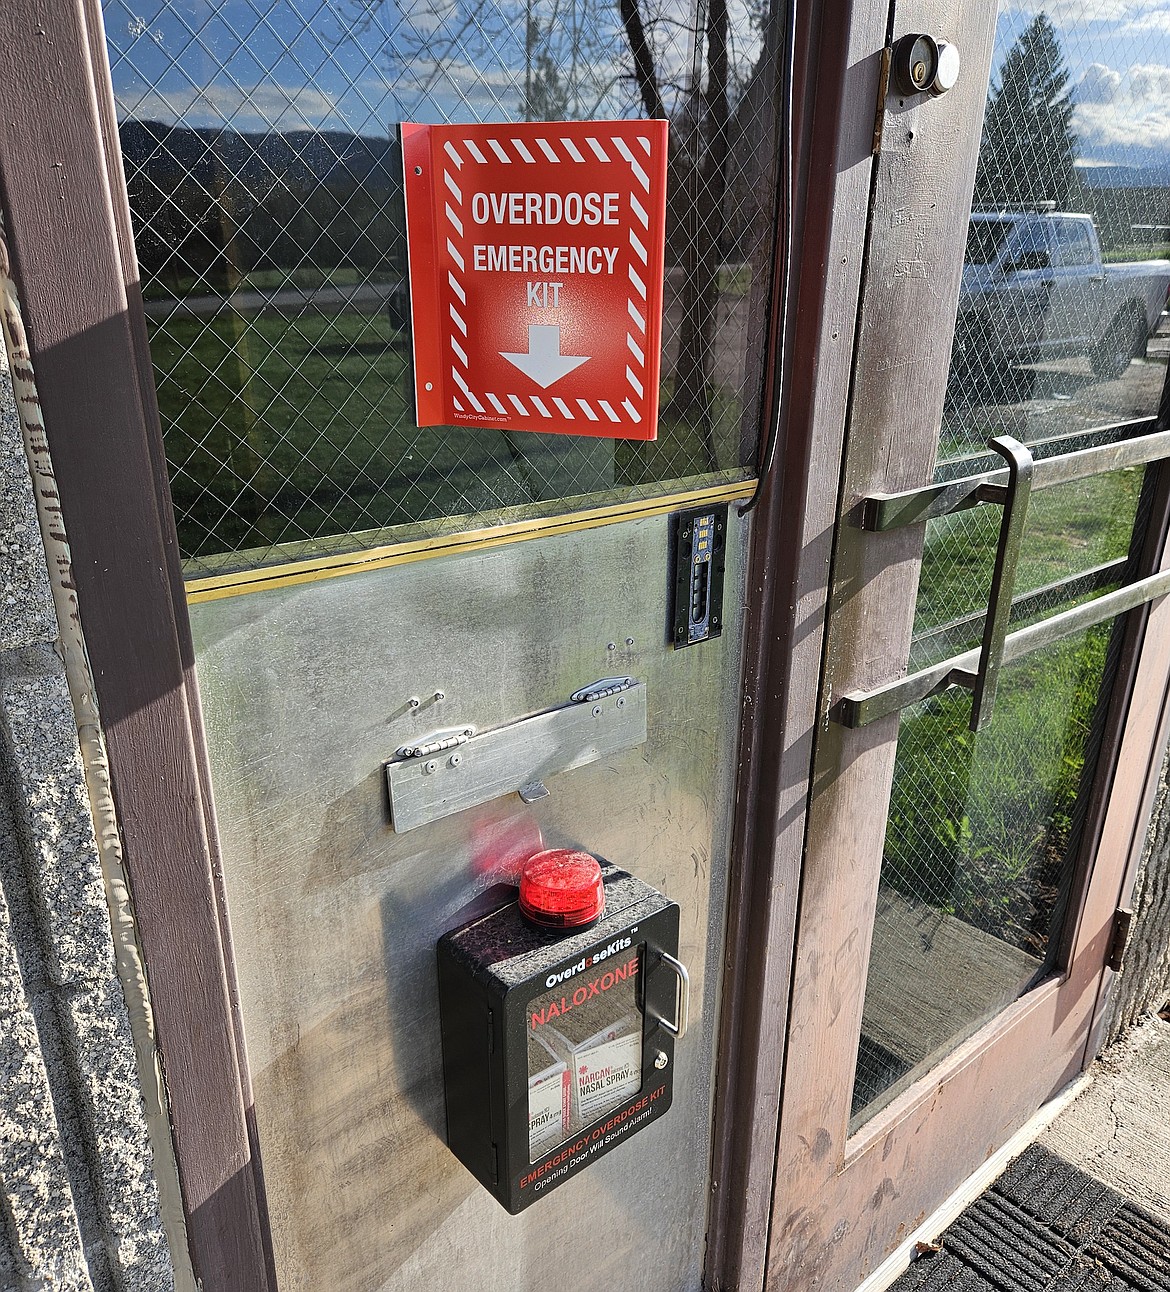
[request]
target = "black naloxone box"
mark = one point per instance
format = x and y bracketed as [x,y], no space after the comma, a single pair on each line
[558,1047]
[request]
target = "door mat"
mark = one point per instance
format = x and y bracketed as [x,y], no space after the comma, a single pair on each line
[1045,1226]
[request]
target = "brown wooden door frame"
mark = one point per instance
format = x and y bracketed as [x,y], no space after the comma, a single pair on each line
[838,69]
[68,230]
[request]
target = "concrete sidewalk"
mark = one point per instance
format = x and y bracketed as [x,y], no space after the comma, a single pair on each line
[1118,1130]
[1086,1208]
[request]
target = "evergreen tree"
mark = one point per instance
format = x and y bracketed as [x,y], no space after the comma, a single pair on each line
[1028,146]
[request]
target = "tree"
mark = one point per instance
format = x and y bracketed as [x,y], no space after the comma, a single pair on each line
[691,64]
[705,221]
[1028,147]
[546,97]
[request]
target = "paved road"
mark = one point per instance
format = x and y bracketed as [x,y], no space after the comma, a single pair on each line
[1060,397]
[368,298]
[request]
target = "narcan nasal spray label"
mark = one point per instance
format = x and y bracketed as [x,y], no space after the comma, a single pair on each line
[549,1098]
[590,1022]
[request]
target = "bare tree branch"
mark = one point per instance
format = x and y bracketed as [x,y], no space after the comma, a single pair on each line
[643,60]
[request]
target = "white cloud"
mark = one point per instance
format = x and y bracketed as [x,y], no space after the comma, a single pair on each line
[259,107]
[1099,84]
[1149,82]
[1148,20]
[1134,116]
[1073,13]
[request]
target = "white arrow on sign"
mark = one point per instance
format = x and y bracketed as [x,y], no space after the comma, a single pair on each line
[544,362]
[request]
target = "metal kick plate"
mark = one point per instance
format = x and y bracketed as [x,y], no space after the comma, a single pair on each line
[508,759]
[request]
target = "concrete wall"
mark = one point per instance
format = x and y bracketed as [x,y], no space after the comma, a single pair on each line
[79,1205]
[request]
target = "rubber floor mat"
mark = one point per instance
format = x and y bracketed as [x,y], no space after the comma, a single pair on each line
[1045,1226]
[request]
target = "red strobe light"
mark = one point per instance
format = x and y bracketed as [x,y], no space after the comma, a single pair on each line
[561,889]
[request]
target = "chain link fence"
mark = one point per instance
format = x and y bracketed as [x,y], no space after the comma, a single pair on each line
[260,145]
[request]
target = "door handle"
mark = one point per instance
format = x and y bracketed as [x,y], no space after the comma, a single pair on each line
[984,680]
[978,670]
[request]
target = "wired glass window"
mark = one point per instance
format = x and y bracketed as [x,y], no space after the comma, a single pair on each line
[262,161]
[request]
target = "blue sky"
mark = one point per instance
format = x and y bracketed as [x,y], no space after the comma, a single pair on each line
[363,65]
[1118,54]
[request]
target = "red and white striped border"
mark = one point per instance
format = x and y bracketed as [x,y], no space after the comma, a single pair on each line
[558,151]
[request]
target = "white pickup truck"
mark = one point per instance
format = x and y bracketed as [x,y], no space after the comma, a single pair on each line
[1034,287]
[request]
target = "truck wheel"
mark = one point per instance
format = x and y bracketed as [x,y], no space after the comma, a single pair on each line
[1124,341]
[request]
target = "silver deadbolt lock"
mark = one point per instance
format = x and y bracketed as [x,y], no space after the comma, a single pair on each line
[922,65]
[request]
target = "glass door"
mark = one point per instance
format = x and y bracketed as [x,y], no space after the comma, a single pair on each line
[999,537]
[359,586]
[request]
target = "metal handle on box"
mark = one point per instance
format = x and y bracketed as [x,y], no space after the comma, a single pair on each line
[682,1013]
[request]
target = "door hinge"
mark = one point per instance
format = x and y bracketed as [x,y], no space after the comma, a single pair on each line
[1122,923]
[882,90]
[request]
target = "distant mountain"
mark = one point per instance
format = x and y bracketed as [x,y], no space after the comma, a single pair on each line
[299,158]
[1116,176]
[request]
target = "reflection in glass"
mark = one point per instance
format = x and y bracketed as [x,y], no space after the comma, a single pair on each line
[1059,323]
[1061,342]
[1075,546]
[980,845]
[259,141]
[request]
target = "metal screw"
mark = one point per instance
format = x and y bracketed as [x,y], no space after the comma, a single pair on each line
[714,621]
[660,1060]
[629,641]
[440,695]
[430,766]
[597,710]
[418,170]
[621,702]
[414,702]
[430,385]
[611,645]
[455,760]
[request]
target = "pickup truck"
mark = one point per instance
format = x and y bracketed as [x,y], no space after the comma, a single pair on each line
[1034,287]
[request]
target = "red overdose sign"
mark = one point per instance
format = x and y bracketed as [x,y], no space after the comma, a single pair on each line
[536,274]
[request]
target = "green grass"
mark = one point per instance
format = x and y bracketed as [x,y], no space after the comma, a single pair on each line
[288,431]
[1070,528]
[735,280]
[303,278]
[980,824]
[1137,251]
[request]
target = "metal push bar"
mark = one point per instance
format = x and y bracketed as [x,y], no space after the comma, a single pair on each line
[978,669]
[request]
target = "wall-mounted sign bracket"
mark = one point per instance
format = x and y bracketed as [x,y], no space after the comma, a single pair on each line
[513,758]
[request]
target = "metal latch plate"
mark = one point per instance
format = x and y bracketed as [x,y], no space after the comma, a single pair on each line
[510,758]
